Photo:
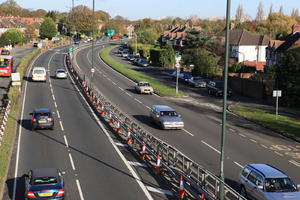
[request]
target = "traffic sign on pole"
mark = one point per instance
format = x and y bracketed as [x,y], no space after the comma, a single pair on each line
[71,49]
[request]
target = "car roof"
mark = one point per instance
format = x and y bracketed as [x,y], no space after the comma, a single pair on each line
[162,108]
[42,110]
[143,82]
[42,68]
[5,56]
[44,172]
[268,171]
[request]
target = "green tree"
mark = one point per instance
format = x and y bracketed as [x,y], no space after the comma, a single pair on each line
[288,78]
[167,56]
[48,28]
[12,36]
[52,14]
[147,36]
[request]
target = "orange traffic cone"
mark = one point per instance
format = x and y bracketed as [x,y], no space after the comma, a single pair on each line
[129,139]
[143,152]
[181,192]
[157,167]
[111,120]
[119,129]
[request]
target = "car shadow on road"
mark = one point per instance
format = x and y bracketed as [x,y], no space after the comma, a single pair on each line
[132,90]
[19,188]
[233,184]
[25,123]
[143,119]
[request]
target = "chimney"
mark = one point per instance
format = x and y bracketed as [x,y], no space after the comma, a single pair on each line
[296,28]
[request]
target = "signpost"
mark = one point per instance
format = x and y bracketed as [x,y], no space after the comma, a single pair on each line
[177,65]
[15,78]
[71,49]
[276,93]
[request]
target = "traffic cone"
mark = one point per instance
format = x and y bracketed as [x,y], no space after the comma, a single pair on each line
[111,120]
[98,106]
[94,100]
[202,196]
[157,167]
[181,192]
[119,129]
[143,152]
[129,139]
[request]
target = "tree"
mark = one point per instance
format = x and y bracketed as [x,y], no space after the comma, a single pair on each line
[239,13]
[260,12]
[48,28]
[281,10]
[167,56]
[52,14]
[102,16]
[12,36]
[147,36]
[30,32]
[271,9]
[295,13]
[287,78]
[10,7]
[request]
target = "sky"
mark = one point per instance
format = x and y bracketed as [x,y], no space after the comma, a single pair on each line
[155,9]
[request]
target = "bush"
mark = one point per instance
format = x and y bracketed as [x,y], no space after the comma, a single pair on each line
[163,57]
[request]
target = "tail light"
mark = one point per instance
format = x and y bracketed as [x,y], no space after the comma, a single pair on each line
[33,120]
[61,193]
[30,195]
[51,119]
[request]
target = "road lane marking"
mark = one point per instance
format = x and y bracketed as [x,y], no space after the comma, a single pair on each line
[253,140]
[55,104]
[159,190]
[278,153]
[128,94]
[232,130]
[264,146]
[132,171]
[295,163]
[138,101]
[242,135]
[188,132]
[66,141]
[114,83]
[109,79]
[58,115]
[238,164]
[148,107]
[71,160]
[79,189]
[53,97]
[137,164]
[104,75]
[211,147]
[61,126]
[121,144]
[121,88]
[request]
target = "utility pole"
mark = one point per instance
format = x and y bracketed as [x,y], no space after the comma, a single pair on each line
[224,101]
[93,39]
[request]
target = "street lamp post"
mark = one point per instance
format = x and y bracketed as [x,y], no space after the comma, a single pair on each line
[93,35]
[224,101]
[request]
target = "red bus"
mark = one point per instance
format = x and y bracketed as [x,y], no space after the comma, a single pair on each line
[6,65]
[116,36]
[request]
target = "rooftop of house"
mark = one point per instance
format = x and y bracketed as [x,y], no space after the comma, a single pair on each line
[18,22]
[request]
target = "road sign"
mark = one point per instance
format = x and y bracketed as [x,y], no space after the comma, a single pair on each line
[93,70]
[71,49]
[276,93]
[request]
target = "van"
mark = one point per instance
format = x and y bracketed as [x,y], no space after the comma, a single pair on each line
[39,74]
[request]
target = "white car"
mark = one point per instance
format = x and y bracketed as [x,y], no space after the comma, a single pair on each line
[39,74]
[60,73]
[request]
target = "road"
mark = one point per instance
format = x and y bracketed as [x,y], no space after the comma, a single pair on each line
[93,163]
[246,142]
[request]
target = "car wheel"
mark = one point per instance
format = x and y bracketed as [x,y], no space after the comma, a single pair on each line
[243,192]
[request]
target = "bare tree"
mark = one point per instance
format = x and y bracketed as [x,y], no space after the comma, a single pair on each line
[295,13]
[271,9]
[281,10]
[239,13]
[260,12]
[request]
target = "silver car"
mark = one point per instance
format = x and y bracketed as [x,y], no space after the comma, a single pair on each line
[196,81]
[60,73]
[166,117]
[264,182]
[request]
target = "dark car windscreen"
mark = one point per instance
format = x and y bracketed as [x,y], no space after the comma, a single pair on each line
[45,180]
[280,185]
[169,113]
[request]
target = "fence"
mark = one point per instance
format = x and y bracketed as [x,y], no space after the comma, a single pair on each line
[4,112]
[199,182]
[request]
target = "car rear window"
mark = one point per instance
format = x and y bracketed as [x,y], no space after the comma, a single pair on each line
[61,71]
[38,71]
[168,113]
[42,114]
[45,180]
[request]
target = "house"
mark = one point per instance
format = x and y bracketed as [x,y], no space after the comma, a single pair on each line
[175,36]
[246,47]
[277,48]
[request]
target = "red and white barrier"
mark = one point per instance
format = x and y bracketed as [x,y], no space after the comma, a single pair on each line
[119,129]
[157,167]
[181,191]
[143,152]
[129,139]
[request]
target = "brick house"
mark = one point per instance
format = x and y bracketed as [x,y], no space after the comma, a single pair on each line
[175,36]
[277,48]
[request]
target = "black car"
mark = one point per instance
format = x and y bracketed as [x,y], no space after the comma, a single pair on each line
[44,183]
[42,118]
[217,88]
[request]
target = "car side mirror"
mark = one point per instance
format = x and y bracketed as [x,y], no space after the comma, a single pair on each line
[260,187]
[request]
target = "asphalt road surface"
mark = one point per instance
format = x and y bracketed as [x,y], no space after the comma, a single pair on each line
[93,163]
[246,142]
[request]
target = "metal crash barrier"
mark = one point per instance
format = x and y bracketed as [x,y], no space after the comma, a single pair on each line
[198,182]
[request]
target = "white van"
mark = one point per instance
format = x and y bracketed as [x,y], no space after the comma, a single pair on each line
[39,74]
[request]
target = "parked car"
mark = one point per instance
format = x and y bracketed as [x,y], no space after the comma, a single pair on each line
[44,183]
[264,182]
[39,74]
[130,57]
[125,53]
[120,50]
[217,88]
[76,42]
[136,61]
[166,117]
[5,52]
[60,73]
[143,63]
[174,74]
[42,118]
[143,88]
[197,81]
[185,76]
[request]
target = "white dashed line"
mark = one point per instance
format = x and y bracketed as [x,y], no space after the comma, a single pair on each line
[188,132]
[109,79]
[55,104]
[241,135]
[53,97]
[253,140]
[264,146]
[121,144]
[104,75]
[128,94]
[137,164]
[61,126]
[114,83]
[278,153]
[148,107]
[79,189]
[232,130]
[238,164]
[138,101]
[58,115]
[66,141]
[159,190]
[71,160]
[211,147]
[295,163]
[121,88]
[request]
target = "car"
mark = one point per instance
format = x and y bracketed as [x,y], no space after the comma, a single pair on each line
[197,81]
[120,50]
[44,183]
[130,57]
[143,63]
[77,42]
[39,74]
[35,44]
[125,53]
[265,182]
[5,52]
[42,118]
[136,61]
[180,75]
[143,88]
[166,117]
[216,88]
[185,76]
[60,73]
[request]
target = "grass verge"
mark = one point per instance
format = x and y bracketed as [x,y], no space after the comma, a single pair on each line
[11,126]
[285,125]
[159,88]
